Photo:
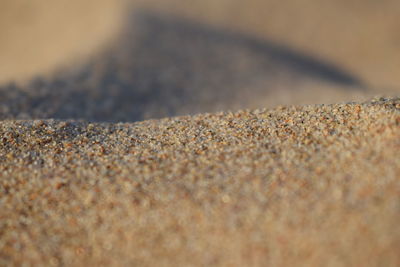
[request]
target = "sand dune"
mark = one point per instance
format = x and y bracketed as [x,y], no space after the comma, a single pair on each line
[358,35]
[164,65]
[90,173]
[304,186]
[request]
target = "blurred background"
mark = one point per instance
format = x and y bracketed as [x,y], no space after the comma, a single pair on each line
[39,36]
[120,60]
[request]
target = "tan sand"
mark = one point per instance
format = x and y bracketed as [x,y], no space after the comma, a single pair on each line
[166,65]
[86,179]
[39,36]
[292,186]
[358,35]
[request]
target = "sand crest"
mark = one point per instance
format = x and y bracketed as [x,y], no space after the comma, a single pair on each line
[114,150]
[305,186]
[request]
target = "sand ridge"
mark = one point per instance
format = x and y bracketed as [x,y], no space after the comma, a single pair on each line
[166,66]
[113,151]
[304,185]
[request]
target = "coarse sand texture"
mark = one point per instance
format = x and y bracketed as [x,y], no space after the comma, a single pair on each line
[200,133]
[291,186]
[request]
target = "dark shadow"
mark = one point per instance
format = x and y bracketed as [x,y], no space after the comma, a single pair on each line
[166,66]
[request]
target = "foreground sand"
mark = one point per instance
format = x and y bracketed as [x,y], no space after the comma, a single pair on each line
[293,186]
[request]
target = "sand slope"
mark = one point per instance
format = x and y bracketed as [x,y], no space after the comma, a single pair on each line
[358,35]
[305,186]
[164,65]
[87,179]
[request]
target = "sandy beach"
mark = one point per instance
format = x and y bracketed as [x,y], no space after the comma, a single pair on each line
[200,134]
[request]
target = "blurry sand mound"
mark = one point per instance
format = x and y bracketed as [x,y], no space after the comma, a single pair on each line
[38,37]
[300,186]
[360,36]
[164,66]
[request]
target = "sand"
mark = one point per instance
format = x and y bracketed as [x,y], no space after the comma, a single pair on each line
[361,36]
[40,36]
[305,186]
[199,134]
[164,65]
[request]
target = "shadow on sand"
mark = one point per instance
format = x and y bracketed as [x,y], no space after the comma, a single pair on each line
[166,66]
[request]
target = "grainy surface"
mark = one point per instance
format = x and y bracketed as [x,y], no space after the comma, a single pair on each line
[84,181]
[305,186]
